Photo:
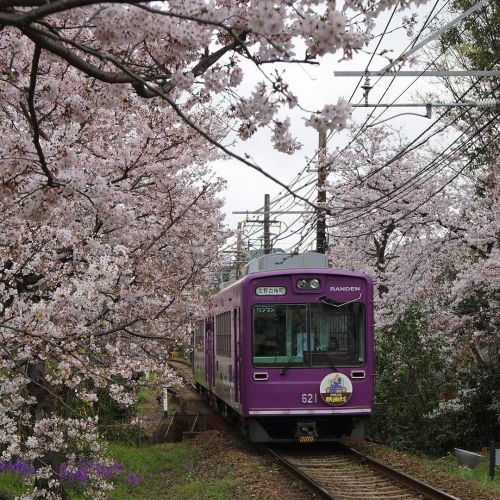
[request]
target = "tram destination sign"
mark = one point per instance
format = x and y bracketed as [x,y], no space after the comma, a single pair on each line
[270,290]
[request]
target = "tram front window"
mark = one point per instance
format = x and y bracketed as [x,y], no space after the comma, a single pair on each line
[279,334]
[308,335]
[339,334]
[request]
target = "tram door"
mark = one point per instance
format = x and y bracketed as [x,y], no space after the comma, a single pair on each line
[209,352]
[237,354]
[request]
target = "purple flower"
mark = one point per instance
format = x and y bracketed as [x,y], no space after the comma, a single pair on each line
[109,470]
[132,479]
[116,468]
[79,475]
[103,471]
[18,466]
[22,467]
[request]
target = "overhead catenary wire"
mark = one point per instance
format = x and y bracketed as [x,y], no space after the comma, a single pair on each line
[371,114]
[301,177]
[410,212]
[427,170]
[292,185]
[475,136]
[409,148]
[315,155]
[363,125]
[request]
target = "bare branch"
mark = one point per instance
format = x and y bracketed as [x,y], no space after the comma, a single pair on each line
[34,121]
[25,18]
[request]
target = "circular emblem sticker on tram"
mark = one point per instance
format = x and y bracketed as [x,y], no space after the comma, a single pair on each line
[335,389]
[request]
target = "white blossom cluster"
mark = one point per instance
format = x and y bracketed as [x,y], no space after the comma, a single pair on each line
[332,117]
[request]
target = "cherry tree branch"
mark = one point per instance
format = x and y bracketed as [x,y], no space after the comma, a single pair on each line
[34,122]
[142,84]
[178,217]
[209,138]
[49,41]
[44,9]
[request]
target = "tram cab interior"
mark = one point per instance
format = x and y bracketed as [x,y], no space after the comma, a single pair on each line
[308,335]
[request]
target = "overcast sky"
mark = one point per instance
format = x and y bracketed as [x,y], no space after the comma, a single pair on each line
[316,86]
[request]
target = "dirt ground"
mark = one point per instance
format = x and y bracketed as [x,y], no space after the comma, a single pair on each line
[257,475]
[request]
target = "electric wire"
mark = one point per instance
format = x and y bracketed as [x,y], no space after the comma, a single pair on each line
[451,156]
[404,216]
[412,146]
[300,174]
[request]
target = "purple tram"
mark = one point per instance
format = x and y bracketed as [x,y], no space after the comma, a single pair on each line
[288,350]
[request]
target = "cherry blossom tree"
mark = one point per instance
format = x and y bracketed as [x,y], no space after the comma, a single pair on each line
[424,228]
[111,226]
[475,290]
[384,202]
[156,49]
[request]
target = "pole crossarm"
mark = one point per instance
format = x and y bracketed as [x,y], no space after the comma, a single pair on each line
[480,104]
[418,73]
[260,212]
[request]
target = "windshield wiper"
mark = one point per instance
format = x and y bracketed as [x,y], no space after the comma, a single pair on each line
[333,303]
[290,361]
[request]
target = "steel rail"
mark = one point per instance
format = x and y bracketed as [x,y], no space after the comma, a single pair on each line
[415,486]
[311,484]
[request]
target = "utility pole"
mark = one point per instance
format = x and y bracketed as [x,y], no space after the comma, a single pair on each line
[239,250]
[321,216]
[267,225]
[266,221]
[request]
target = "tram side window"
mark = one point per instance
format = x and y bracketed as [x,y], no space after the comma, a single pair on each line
[199,335]
[223,334]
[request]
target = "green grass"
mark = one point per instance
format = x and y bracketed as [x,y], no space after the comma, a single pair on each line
[194,489]
[154,464]
[11,484]
[150,459]
[165,471]
[479,474]
[145,397]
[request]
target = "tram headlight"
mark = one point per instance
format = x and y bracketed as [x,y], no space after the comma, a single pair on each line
[308,284]
[314,284]
[301,284]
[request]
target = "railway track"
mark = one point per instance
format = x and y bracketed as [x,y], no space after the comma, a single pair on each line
[342,473]
[338,472]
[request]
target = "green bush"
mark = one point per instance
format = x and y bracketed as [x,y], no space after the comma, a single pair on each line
[410,381]
[424,402]
[473,421]
[125,433]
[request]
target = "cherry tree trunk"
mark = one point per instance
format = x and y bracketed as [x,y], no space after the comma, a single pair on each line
[44,409]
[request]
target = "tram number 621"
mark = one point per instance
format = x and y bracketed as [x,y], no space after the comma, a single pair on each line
[309,398]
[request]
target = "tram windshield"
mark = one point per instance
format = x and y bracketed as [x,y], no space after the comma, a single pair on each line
[308,335]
